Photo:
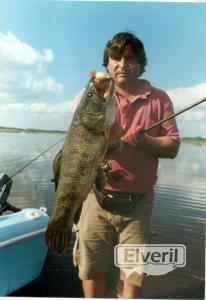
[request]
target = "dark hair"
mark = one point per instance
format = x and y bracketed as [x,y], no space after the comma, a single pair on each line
[116,45]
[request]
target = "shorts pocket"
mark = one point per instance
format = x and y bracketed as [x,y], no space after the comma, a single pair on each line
[76,250]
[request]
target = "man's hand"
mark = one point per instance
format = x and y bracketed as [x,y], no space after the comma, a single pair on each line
[134,136]
[160,146]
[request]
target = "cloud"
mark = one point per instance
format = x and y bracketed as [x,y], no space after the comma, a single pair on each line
[14,51]
[28,93]
[24,71]
[39,115]
[195,115]
[184,96]
[62,108]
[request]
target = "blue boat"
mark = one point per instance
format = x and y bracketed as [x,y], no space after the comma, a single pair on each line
[22,248]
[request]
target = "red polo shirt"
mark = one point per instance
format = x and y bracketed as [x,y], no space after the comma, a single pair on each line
[132,170]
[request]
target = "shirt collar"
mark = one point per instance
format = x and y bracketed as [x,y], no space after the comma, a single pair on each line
[145,92]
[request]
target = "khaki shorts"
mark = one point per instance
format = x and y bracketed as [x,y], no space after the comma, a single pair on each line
[98,231]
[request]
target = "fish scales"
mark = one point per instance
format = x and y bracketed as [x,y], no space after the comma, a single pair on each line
[82,154]
[79,163]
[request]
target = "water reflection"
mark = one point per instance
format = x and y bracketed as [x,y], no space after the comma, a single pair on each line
[179,209]
[187,170]
[32,187]
[186,174]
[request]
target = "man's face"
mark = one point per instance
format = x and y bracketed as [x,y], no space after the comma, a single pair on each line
[124,69]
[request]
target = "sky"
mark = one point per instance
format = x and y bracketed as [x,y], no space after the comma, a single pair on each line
[47,48]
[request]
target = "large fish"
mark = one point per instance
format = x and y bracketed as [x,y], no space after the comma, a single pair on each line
[81,158]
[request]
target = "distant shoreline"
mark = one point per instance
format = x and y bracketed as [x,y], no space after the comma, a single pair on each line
[193,140]
[185,140]
[28,130]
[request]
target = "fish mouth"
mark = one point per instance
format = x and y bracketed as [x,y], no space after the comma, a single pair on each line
[104,91]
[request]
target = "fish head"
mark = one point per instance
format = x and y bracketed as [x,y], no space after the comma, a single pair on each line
[94,109]
[94,103]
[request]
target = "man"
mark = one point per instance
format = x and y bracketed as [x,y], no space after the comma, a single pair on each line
[133,175]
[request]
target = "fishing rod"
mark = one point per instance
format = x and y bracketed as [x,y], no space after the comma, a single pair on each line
[6,182]
[31,161]
[119,143]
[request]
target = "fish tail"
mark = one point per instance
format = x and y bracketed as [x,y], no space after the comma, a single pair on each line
[56,240]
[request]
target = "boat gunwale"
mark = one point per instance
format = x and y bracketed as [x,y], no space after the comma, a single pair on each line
[20,238]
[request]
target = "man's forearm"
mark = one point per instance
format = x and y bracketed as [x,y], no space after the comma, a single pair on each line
[162,147]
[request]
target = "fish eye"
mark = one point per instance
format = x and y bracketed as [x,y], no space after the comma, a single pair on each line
[89,94]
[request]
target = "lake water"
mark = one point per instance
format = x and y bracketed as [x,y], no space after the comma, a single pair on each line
[179,209]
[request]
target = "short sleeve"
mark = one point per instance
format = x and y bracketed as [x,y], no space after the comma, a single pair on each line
[168,128]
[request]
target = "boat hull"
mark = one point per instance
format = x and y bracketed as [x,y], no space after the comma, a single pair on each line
[22,248]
